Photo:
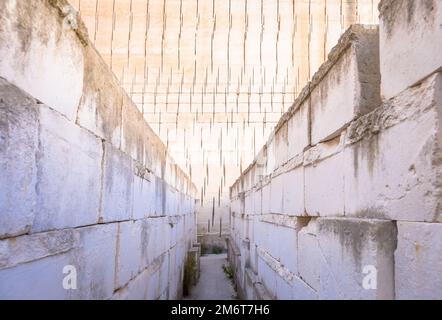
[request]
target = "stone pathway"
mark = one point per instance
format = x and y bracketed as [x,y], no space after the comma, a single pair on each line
[213,283]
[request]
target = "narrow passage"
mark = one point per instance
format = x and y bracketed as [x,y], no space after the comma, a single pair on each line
[213,283]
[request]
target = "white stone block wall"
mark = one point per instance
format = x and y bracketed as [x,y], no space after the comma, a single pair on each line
[353,211]
[410,30]
[84,181]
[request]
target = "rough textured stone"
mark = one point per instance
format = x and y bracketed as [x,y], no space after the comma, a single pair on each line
[117,185]
[385,179]
[347,85]
[129,249]
[69,174]
[324,187]
[39,279]
[93,258]
[298,130]
[143,202]
[403,23]
[133,143]
[302,291]
[418,261]
[309,256]
[29,248]
[69,195]
[294,192]
[18,168]
[367,166]
[135,290]
[36,53]
[349,245]
[277,194]
[100,108]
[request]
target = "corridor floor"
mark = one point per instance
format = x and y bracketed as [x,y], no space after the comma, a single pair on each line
[213,283]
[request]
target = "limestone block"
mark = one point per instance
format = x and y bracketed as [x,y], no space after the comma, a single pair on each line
[69,180]
[265,237]
[153,287]
[348,248]
[117,185]
[309,256]
[95,262]
[324,187]
[249,284]
[160,197]
[284,290]
[138,139]
[257,201]
[40,279]
[151,196]
[173,223]
[248,203]
[143,203]
[135,289]
[302,291]
[266,198]
[18,169]
[28,248]
[164,276]
[47,64]
[418,261]
[285,227]
[281,145]
[43,257]
[287,254]
[267,277]
[159,235]
[385,178]
[403,23]
[271,156]
[100,108]
[129,252]
[347,85]
[174,276]
[277,194]
[4,253]
[259,232]
[294,192]
[298,130]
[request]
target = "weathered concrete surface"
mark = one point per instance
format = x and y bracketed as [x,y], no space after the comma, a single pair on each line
[403,23]
[80,186]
